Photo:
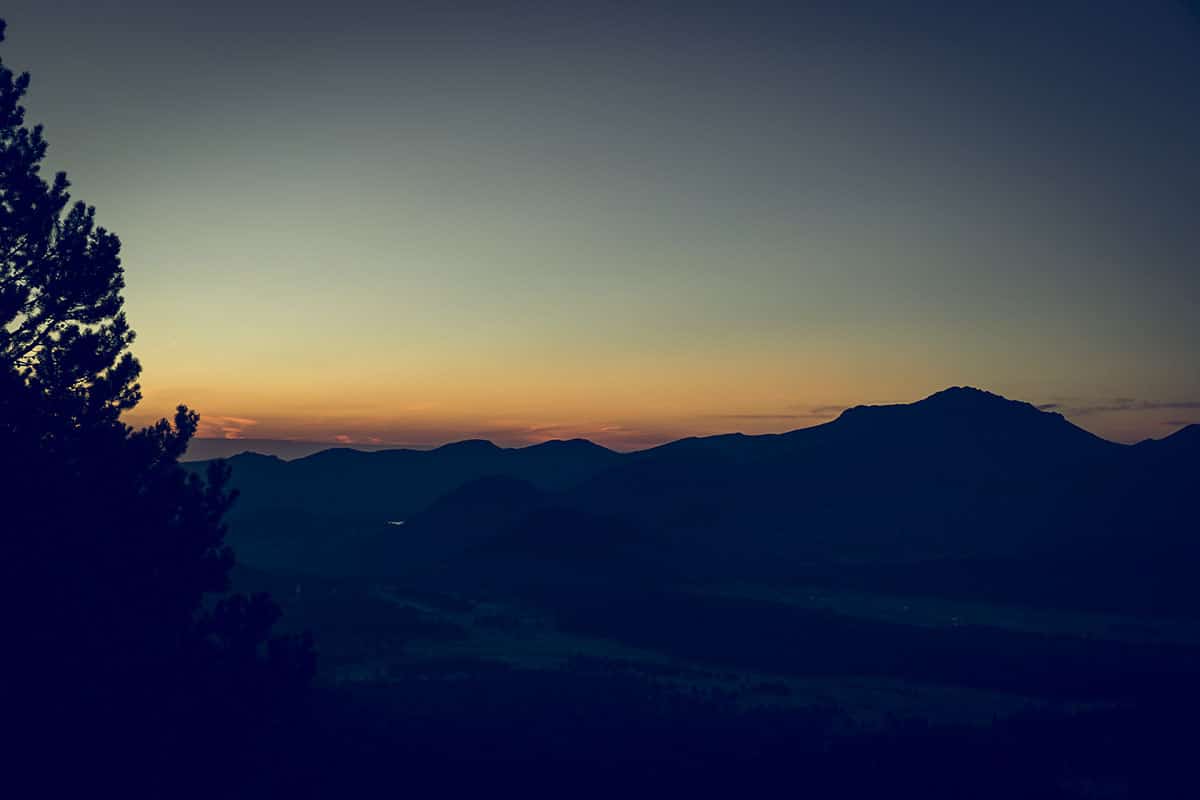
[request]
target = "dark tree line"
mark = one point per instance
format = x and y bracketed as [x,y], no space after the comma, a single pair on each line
[124,656]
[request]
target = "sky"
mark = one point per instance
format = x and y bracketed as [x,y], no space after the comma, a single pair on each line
[411,223]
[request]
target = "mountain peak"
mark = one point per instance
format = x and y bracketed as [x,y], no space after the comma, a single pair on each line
[576,445]
[965,410]
[968,398]
[1187,436]
[252,456]
[956,401]
[468,445]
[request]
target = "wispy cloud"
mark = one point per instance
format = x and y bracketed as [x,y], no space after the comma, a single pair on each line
[825,411]
[792,412]
[764,416]
[1121,404]
[217,427]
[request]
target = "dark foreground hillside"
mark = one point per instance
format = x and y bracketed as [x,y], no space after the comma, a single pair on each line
[442,694]
[548,734]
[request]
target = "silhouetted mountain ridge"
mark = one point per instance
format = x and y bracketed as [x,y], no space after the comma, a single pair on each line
[394,484]
[963,473]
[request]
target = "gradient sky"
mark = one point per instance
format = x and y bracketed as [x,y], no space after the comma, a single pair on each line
[416,222]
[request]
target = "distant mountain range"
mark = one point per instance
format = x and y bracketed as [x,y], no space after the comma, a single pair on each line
[963,477]
[394,484]
[287,449]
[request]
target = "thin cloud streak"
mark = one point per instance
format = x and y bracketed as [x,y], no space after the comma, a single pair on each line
[1121,405]
[220,427]
[798,412]
[767,416]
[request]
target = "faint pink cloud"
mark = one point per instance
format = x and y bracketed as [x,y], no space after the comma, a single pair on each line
[218,427]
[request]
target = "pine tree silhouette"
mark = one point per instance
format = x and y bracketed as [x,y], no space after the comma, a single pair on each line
[125,657]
